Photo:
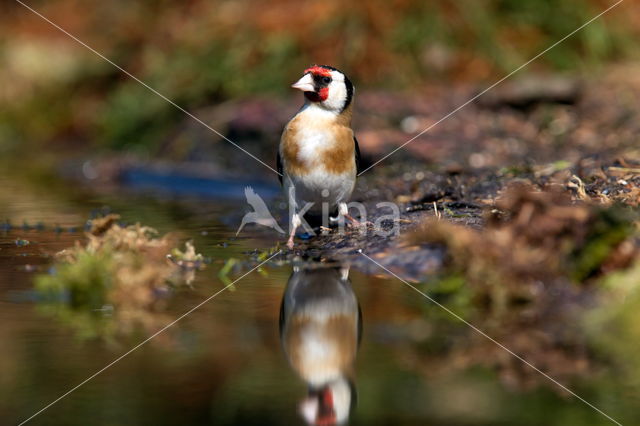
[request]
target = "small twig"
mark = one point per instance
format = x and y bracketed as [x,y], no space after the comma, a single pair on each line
[435,209]
[624,169]
[576,183]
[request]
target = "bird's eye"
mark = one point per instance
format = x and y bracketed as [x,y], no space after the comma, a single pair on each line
[326,80]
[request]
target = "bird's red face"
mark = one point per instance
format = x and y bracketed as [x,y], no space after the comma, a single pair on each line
[315,83]
[326,87]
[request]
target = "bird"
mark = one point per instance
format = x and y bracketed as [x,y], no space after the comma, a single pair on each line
[320,331]
[319,158]
[260,215]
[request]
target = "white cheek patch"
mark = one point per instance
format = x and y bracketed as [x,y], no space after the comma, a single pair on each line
[337,92]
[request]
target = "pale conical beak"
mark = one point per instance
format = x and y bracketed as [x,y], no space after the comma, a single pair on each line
[305,84]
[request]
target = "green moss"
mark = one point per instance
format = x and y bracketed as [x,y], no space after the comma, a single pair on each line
[611,226]
[116,283]
[79,285]
[614,327]
[76,294]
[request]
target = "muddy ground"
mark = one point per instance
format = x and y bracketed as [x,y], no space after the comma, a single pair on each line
[577,135]
[551,133]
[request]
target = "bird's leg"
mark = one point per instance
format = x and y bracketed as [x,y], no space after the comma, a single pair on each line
[295,222]
[343,210]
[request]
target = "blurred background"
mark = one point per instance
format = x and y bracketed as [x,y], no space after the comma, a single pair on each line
[59,99]
[79,139]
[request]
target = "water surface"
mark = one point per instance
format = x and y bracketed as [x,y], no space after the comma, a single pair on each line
[227,363]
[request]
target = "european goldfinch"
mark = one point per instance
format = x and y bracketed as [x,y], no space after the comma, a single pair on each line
[318,155]
[320,329]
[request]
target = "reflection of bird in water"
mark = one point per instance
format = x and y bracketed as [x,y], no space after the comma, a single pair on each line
[320,328]
[261,214]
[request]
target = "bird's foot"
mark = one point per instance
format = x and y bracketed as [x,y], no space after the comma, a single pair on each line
[325,230]
[356,223]
[361,225]
[290,243]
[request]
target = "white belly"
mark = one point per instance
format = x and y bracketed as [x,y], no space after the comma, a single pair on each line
[319,187]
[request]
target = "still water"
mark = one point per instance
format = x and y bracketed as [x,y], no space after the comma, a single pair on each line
[288,344]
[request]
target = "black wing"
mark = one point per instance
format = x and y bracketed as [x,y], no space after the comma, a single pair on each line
[355,141]
[279,166]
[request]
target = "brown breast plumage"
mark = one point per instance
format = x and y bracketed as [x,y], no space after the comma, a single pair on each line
[336,156]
